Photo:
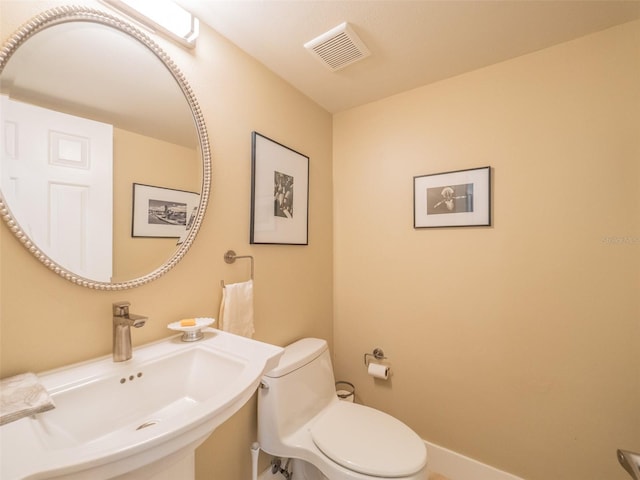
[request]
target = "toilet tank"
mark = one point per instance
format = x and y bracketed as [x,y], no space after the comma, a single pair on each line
[295,391]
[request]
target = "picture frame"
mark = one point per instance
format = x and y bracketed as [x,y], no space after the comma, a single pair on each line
[460,198]
[279,193]
[162,212]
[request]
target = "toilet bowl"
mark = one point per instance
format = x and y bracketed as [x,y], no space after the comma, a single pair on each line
[301,417]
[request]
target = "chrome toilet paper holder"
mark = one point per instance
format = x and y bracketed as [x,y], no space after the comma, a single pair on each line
[378,354]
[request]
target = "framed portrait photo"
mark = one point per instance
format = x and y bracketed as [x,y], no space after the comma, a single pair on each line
[279,193]
[452,199]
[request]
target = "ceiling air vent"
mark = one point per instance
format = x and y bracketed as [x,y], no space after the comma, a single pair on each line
[338,47]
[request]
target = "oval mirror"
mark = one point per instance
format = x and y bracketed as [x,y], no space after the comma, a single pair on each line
[105,167]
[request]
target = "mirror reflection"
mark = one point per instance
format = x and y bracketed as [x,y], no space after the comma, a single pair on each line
[88,112]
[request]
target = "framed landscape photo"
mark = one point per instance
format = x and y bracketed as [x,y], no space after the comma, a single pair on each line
[452,199]
[162,212]
[279,193]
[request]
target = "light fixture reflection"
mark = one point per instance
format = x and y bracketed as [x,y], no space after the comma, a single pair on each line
[164,16]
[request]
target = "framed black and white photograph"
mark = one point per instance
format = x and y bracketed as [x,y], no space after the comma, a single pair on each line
[452,199]
[162,212]
[279,193]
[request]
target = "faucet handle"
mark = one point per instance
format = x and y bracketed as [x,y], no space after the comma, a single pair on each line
[121,309]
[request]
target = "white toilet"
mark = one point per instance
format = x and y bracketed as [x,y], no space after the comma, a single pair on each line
[300,417]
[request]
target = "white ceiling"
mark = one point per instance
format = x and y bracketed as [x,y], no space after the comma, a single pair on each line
[413,42]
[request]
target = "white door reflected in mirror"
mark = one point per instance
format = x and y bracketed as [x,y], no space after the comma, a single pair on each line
[56,171]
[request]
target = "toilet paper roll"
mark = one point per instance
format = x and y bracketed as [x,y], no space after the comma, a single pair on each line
[377,370]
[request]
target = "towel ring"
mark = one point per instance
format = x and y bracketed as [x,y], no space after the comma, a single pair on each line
[230,257]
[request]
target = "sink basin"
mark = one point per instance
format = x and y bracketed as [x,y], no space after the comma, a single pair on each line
[119,419]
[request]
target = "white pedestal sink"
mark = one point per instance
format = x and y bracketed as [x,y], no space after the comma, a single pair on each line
[135,418]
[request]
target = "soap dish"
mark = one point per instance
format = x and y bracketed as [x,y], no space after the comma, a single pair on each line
[193,332]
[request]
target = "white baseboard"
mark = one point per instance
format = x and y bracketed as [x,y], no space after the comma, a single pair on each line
[447,463]
[455,466]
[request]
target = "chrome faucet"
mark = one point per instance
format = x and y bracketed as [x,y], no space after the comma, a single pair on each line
[631,463]
[122,323]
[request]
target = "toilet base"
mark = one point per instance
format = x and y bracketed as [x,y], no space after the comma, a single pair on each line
[305,471]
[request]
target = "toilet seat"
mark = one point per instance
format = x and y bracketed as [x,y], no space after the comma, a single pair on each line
[368,441]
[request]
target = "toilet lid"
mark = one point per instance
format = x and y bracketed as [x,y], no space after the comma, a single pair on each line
[368,441]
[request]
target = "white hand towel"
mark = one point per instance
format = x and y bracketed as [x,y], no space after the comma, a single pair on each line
[22,396]
[236,309]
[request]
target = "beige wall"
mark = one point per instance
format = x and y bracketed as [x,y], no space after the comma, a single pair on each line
[146,160]
[516,344]
[47,322]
